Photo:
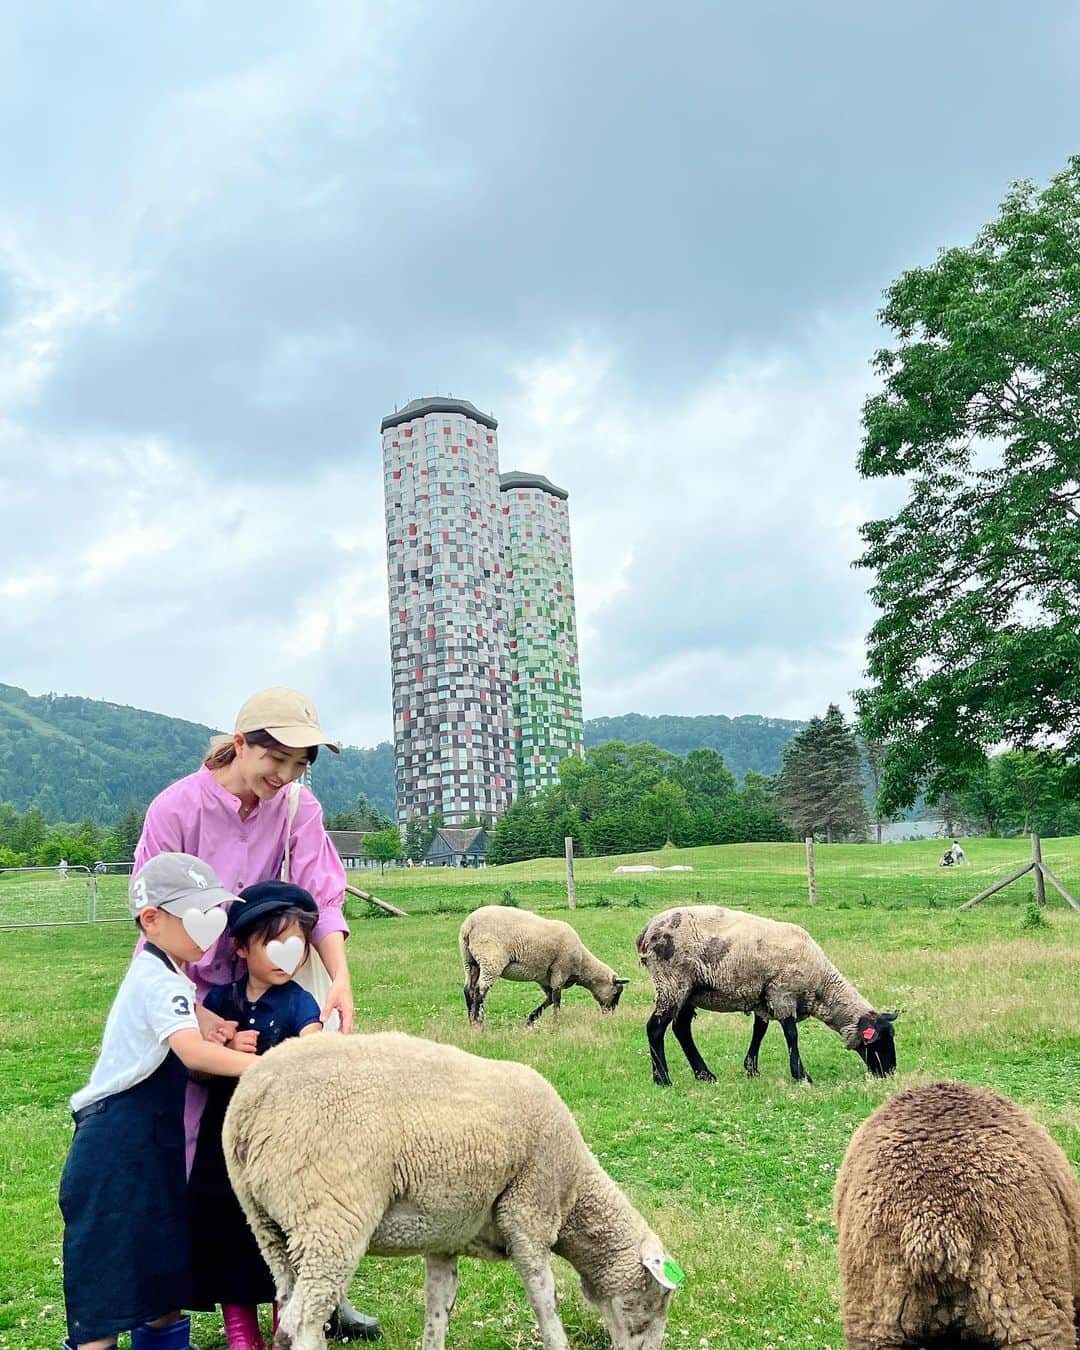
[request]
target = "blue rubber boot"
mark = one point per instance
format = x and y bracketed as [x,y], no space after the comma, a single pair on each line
[176,1336]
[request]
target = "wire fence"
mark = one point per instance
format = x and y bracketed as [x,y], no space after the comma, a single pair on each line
[764,877]
[47,897]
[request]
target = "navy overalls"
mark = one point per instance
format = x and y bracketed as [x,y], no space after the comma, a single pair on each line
[127,1246]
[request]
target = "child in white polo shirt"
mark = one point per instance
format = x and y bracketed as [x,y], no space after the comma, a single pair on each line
[127,1263]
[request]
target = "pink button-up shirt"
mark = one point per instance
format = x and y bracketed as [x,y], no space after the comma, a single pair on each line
[196,815]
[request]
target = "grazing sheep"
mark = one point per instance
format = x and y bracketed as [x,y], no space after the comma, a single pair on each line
[959,1221]
[518,945]
[725,960]
[385,1145]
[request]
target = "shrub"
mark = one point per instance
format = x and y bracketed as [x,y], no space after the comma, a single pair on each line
[1034,918]
[508,900]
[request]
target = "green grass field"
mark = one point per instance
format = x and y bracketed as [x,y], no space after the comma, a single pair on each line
[736,1176]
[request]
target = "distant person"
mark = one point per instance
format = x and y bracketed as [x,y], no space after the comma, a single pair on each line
[245,813]
[62,868]
[123,1192]
[100,868]
[958,854]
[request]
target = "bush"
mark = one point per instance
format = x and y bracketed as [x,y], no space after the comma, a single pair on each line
[508,900]
[1034,918]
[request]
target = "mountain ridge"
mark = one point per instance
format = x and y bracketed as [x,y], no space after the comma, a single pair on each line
[75,757]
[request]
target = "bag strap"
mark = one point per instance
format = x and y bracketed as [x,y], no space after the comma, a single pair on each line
[290,816]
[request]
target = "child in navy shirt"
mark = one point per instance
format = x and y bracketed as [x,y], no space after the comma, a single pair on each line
[271,930]
[127,1262]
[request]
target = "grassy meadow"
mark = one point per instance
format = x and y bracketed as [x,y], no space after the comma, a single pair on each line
[736,1176]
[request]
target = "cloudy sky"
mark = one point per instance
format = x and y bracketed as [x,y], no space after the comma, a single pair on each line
[651,238]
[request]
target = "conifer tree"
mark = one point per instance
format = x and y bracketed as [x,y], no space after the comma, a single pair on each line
[820,790]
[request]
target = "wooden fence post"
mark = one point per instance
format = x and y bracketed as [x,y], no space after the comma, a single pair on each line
[810,869]
[571,898]
[1036,858]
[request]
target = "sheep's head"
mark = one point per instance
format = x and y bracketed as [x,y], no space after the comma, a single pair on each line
[608,991]
[876,1045]
[636,1315]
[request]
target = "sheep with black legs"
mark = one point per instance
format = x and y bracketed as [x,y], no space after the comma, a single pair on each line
[385,1145]
[959,1224]
[498,942]
[725,960]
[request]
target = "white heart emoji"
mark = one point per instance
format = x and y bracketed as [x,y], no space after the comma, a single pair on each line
[286,955]
[204,927]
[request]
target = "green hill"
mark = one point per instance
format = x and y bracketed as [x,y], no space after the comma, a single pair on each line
[746,743]
[76,757]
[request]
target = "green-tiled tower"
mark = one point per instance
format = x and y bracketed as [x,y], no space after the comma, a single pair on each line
[545,680]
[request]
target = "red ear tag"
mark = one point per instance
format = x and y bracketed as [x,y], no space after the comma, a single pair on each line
[869,1033]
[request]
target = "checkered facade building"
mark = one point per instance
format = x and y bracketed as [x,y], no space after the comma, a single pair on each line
[481,713]
[545,682]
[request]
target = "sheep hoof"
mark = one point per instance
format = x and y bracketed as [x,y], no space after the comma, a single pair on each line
[661,1081]
[704,1076]
[751,1068]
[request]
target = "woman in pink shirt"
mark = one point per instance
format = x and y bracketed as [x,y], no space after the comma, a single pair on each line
[233,813]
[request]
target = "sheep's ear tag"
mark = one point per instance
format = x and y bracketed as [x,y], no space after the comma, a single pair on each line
[665,1271]
[869,1033]
[673,1273]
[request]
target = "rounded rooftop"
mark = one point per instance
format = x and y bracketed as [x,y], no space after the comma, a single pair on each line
[516,479]
[420,407]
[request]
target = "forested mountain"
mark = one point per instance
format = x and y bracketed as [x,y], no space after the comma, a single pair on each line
[79,757]
[746,743]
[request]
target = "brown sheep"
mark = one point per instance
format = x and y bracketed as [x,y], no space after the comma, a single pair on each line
[959,1222]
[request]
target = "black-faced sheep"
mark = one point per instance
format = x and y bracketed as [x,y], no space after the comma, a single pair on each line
[725,960]
[515,944]
[959,1221]
[385,1145]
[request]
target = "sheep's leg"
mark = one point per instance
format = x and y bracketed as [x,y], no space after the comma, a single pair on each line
[761,1026]
[791,1035]
[275,1251]
[484,981]
[533,1264]
[440,1292]
[472,977]
[655,1029]
[327,1248]
[684,1035]
[536,1012]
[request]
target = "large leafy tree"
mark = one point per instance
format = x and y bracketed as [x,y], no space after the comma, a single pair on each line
[978,572]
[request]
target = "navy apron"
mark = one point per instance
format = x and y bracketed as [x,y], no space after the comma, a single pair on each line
[127,1245]
[226,1263]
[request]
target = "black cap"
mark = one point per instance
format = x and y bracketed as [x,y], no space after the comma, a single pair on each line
[264,899]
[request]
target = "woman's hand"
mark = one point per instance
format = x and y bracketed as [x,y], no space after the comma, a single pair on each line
[339,999]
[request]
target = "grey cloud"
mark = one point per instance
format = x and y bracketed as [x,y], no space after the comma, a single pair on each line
[677,182]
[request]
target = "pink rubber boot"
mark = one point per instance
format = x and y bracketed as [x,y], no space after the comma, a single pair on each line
[242,1326]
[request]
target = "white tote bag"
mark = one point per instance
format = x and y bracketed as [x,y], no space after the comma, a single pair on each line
[312,975]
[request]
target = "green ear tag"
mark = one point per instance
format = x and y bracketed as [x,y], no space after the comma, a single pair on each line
[673,1271]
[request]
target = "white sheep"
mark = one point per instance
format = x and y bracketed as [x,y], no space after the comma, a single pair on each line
[959,1223]
[515,944]
[725,960]
[386,1145]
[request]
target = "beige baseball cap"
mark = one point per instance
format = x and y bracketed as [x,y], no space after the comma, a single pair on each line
[288,716]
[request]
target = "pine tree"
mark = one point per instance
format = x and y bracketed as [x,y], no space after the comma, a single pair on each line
[820,791]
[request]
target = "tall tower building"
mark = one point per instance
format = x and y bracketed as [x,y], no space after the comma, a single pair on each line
[546,682]
[449,647]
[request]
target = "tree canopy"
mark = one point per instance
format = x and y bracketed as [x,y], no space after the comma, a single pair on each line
[820,790]
[978,572]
